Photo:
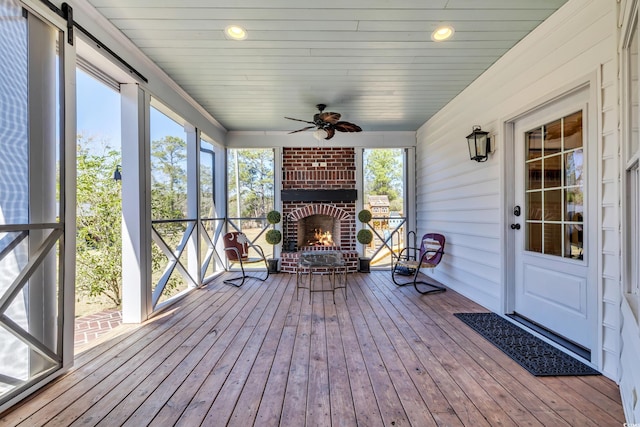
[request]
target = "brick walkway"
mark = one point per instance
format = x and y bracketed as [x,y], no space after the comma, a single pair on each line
[88,328]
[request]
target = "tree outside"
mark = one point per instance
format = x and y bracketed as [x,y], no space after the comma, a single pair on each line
[168,202]
[383,175]
[383,171]
[250,186]
[98,221]
[250,171]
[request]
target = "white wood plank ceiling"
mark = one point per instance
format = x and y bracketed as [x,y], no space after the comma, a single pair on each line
[371,60]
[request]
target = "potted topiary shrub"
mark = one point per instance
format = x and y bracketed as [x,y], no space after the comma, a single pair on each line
[364,237]
[273,237]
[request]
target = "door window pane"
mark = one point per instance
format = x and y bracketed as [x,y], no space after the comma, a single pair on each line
[553,171]
[573,131]
[534,144]
[534,175]
[534,237]
[573,168]
[553,137]
[555,222]
[574,241]
[534,204]
[553,239]
[553,205]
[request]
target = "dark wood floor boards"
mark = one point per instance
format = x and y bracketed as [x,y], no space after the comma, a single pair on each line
[258,355]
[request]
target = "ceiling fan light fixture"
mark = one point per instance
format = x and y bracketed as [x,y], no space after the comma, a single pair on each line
[235,32]
[320,134]
[442,33]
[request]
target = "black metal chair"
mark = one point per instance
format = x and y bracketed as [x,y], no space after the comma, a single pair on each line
[411,261]
[236,248]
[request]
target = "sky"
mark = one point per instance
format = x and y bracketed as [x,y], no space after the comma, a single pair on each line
[98,113]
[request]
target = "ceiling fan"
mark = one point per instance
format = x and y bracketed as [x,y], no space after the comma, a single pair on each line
[326,124]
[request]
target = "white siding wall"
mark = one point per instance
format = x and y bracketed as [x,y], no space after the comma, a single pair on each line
[465,200]
[630,329]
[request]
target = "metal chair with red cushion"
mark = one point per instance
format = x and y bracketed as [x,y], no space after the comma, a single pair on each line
[411,261]
[236,248]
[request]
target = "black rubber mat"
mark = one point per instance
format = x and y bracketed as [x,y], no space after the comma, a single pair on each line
[529,351]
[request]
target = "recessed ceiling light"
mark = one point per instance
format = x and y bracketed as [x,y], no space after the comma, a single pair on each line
[235,32]
[442,33]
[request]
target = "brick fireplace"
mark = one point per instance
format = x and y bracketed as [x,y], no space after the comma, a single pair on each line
[318,199]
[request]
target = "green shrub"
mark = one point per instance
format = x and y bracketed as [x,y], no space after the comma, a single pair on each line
[364,236]
[274,217]
[273,237]
[364,216]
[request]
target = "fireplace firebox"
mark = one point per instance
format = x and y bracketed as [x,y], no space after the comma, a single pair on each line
[318,230]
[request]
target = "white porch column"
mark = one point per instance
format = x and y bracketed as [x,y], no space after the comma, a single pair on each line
[136,205]
[193,202]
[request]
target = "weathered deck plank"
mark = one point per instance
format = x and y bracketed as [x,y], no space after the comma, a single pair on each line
[257,355]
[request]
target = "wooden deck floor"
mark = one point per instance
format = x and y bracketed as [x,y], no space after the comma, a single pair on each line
[257,356]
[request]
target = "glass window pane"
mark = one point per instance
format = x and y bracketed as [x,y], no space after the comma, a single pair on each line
[553,239]
[534,175]
[573,168]
[534,205]
[553,205]
[573,131]
[574,204]
[553,138]
[553,171]
[574,241]
[534,144]
[561,171]
[533,237]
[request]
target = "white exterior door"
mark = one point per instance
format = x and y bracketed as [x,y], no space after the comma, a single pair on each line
[553,285]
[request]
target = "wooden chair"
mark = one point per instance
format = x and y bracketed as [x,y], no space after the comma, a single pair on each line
[236,248]
[411,261]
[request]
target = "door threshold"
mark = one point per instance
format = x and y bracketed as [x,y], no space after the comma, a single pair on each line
[577,349]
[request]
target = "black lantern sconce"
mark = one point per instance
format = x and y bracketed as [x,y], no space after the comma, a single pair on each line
[117,174]
[479,145]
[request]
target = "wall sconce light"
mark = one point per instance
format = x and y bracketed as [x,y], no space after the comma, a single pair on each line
[117,174]
[479,145]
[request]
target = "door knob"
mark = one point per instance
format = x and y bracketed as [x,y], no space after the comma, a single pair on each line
[515,226]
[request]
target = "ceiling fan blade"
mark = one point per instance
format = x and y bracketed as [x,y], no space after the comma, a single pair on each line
[298,120]
[347,127]
[329,117]
[303,129]
[330,132]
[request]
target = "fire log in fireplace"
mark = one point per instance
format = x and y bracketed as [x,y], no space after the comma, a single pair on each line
[318,230]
